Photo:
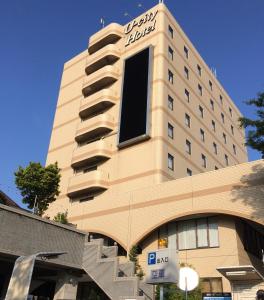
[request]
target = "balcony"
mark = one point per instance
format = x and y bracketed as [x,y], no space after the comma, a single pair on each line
[94,128]
[98,102]
[106,56]
[90,182]
[108,35]
[100,79]
[92,153]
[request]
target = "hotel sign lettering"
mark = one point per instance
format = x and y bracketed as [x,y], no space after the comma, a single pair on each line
[143,26]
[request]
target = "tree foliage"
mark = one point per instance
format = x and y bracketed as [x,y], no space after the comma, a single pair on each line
[39,183]
[255,136]
[62,217]
[133,256]
[172,292]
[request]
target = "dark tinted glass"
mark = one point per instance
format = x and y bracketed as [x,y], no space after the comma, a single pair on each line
[133,122]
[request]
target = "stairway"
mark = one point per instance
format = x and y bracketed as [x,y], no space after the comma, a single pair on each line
[116,280]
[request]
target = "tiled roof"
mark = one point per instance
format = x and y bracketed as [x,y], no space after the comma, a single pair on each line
[4,199]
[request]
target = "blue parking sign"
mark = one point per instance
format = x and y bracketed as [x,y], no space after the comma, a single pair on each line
[152,258]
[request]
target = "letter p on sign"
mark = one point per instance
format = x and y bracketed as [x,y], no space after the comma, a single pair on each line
[152,258]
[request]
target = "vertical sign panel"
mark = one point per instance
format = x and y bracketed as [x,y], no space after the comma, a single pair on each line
[135,98]
[162,266]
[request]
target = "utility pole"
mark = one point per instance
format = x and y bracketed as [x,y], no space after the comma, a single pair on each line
[35,206]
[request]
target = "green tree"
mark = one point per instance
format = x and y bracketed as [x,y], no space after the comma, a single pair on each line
[172,292]
[38,184]
[61,217]
[255,136]
[133,256]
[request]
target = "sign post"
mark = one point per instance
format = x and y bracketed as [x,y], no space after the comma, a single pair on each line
[186,290]
[161,292]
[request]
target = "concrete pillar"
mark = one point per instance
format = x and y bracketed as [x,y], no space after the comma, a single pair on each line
[19,283]
[66,287]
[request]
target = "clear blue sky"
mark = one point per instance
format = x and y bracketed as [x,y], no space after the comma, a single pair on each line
[37,37]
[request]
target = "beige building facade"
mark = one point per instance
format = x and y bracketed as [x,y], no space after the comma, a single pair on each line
[151,178]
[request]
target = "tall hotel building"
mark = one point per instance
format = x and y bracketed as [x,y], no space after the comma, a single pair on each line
[138,113]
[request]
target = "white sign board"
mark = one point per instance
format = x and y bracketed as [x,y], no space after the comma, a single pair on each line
[188,279]
[162,266]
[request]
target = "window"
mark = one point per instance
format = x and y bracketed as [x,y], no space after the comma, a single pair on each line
[202,135]
[187,95]
[170,131]
[216,168]
[187,235]
[186,72]
[170,162]
[187,120]
[213,125]
[85,169]
[223,118]
[197,233]
[212,104]
[189,172]
[234,149]
[226,160]
[134,100]
[221,99]
[87,198]
[211,285]
[230,111]
[186,51]
[199,70]
[201,111]
[224,137]
[162,243]
[215,148]
[170,76]
[253,240]
[210,85]
[203,160]
[90,169]
[170,102]
[188,147]
[170,31]
[200,89]
[170,53]
[232,129]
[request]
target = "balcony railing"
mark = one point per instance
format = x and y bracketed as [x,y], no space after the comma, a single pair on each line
[108,35]
[100,79]
[105,56]
[92,153]
[98,102]
[94,128]
[89,182]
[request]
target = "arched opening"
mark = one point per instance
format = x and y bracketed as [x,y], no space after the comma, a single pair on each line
[213,244]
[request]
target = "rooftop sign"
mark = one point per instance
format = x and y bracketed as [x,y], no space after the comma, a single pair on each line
[143,26]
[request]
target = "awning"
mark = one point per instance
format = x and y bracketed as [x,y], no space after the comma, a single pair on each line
[240,273]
